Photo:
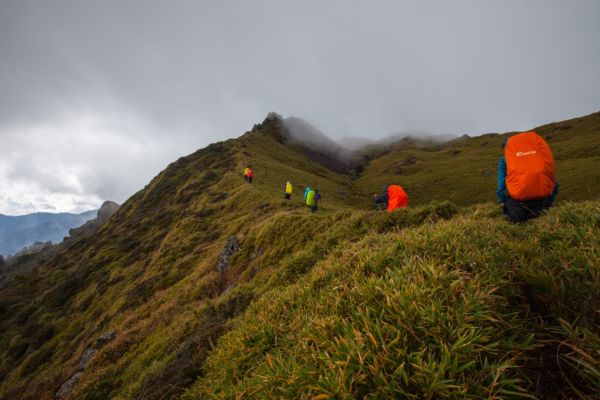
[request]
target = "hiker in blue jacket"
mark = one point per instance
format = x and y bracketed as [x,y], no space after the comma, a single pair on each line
[501,192]
[519,210]
[306,193]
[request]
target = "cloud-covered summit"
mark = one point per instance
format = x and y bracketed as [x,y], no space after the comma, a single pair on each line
[97,97]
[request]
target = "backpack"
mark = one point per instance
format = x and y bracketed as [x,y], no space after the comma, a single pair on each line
[397,198]
[529,167]
[311,198]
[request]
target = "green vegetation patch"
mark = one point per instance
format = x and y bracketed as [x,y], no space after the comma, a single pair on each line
[471,307]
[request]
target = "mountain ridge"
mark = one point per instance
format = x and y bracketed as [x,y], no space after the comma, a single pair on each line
[199,268]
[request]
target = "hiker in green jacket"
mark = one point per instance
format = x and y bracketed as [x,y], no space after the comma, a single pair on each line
[311,200]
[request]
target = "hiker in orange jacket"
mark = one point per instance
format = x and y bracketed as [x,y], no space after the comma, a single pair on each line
[393,197]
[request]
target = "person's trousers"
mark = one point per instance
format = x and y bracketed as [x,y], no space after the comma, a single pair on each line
[519,211]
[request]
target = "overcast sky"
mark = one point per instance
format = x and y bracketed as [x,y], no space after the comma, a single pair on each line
[96,97]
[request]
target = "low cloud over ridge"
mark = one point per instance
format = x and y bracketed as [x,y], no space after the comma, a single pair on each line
[98,97]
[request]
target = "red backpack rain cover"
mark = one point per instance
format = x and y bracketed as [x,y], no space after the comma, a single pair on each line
[529,167]
[397,197]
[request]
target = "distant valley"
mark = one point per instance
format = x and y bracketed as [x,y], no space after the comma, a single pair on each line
[17,232]
[29,232]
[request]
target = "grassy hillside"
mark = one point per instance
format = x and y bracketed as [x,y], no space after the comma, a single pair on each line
[469,307]
[150,274]
[433,301]
[464,171]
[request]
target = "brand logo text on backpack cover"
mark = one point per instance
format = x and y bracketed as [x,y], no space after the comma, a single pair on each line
[525,153]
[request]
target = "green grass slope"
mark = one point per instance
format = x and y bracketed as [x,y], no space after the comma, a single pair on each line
[466,307]
[464,171]
[150,275]
[436,300]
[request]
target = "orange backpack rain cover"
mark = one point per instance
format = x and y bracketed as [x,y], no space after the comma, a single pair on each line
[397,197]
[529,167]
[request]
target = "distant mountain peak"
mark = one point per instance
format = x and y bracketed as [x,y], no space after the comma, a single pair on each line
[273,116]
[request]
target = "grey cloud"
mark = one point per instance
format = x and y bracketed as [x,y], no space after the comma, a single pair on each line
[164,78]
[303,132]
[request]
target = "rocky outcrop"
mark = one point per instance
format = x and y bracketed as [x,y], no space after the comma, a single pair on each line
[273,116]
[104,338]
[86,358]
[230,249]
[67,387]
[104,213]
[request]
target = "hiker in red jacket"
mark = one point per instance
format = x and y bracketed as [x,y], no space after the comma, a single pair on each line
[393,197]
[248,174]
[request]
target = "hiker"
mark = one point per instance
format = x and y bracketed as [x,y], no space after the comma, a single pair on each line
[288,191]
[393,197]
[526,181]
[306,191]
[248,174]
[311,200]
